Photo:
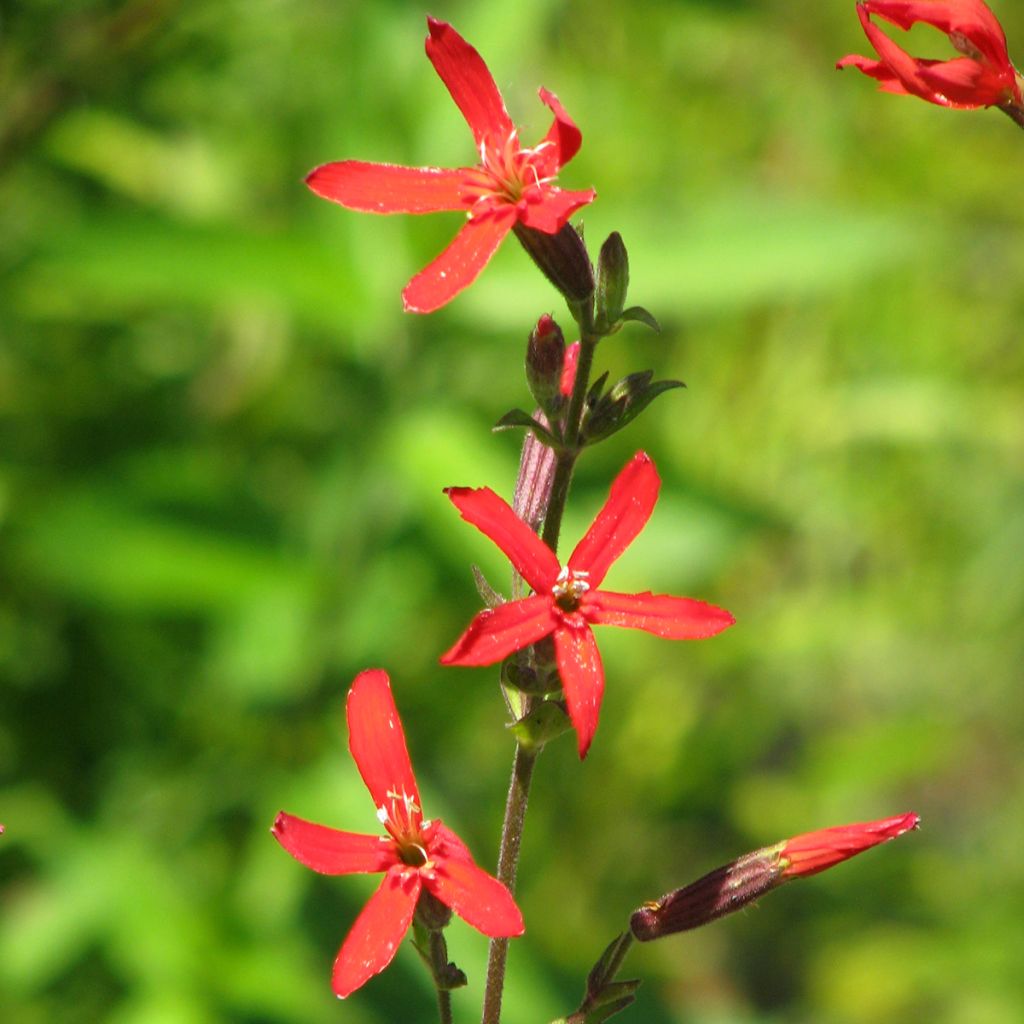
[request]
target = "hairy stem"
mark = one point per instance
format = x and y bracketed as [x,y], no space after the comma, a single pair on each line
[525,759]
[439,964]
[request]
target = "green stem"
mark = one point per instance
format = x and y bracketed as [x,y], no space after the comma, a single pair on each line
[439,964]
[525,759]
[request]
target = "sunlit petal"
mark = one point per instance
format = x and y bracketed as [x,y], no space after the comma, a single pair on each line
[387,188]
[624,515]
[494,518]
[676,618]
[377,740]
[461,262]
[497,632]
[331,851]
[371,944]
[465,74]
[579,665]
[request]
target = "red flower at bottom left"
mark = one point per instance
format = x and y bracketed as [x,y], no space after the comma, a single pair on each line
[416,853]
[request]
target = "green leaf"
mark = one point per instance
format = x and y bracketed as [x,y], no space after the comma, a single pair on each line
[547,721]
[640,315]
[518,418]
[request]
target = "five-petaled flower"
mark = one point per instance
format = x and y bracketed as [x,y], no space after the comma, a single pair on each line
[415,855]
[510,184]
[746,879]
[982,77]
[567,600]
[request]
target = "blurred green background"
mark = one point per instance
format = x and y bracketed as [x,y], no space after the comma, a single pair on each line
[222,448]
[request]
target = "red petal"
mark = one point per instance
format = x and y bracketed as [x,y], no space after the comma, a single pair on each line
[562,141]
[903,66]
[554,209]
[815,851]
[497,632]
[331,851]
[460,264]
[448,845]
[377,741]
[971,18]
[465,74]
[494,518]
[579,665]
[966,83]
[571,361]
[676,618]
[371,944]
[874,69]
[625,513]
[476,897]
[386,188]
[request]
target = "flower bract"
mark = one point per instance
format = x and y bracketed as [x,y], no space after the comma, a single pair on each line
[511,184]
[415,855]
[568,600]
[982,77]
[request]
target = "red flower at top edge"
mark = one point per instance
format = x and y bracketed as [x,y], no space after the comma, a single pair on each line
[416,854]
[566,601]
[509,184]
[983,77]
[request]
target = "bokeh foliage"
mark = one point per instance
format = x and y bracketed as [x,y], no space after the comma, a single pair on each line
[222,448]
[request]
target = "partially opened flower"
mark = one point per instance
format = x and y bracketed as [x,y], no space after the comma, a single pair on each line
[567,600]
[747,878]
[510,185]
[415,855]
[982,77]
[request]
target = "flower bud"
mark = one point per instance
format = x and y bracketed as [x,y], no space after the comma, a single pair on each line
[735,885]
[545,359]
[612,280]
[563,259]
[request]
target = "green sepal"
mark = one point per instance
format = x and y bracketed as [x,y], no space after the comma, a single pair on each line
[599,1014]
[547,721]
[604,970]
[640,315]
[594,391]
[612,282]
[490,597]
[447,978]
[623,403]
[527,678]
[518,418]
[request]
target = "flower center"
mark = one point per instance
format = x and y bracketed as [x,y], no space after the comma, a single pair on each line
[401,816]
[569,588]
[506,173]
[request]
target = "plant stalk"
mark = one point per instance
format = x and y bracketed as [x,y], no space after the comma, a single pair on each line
[525,759]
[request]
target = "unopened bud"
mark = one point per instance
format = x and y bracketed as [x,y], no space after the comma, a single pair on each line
[612,280]
[545,359]
[563,259]
[735,885]
[718,893]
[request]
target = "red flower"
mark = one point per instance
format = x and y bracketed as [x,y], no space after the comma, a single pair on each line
[815,851]
[748,878]
[566,601]
[416,854]
[572,358]
[509,184]
[983,77]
